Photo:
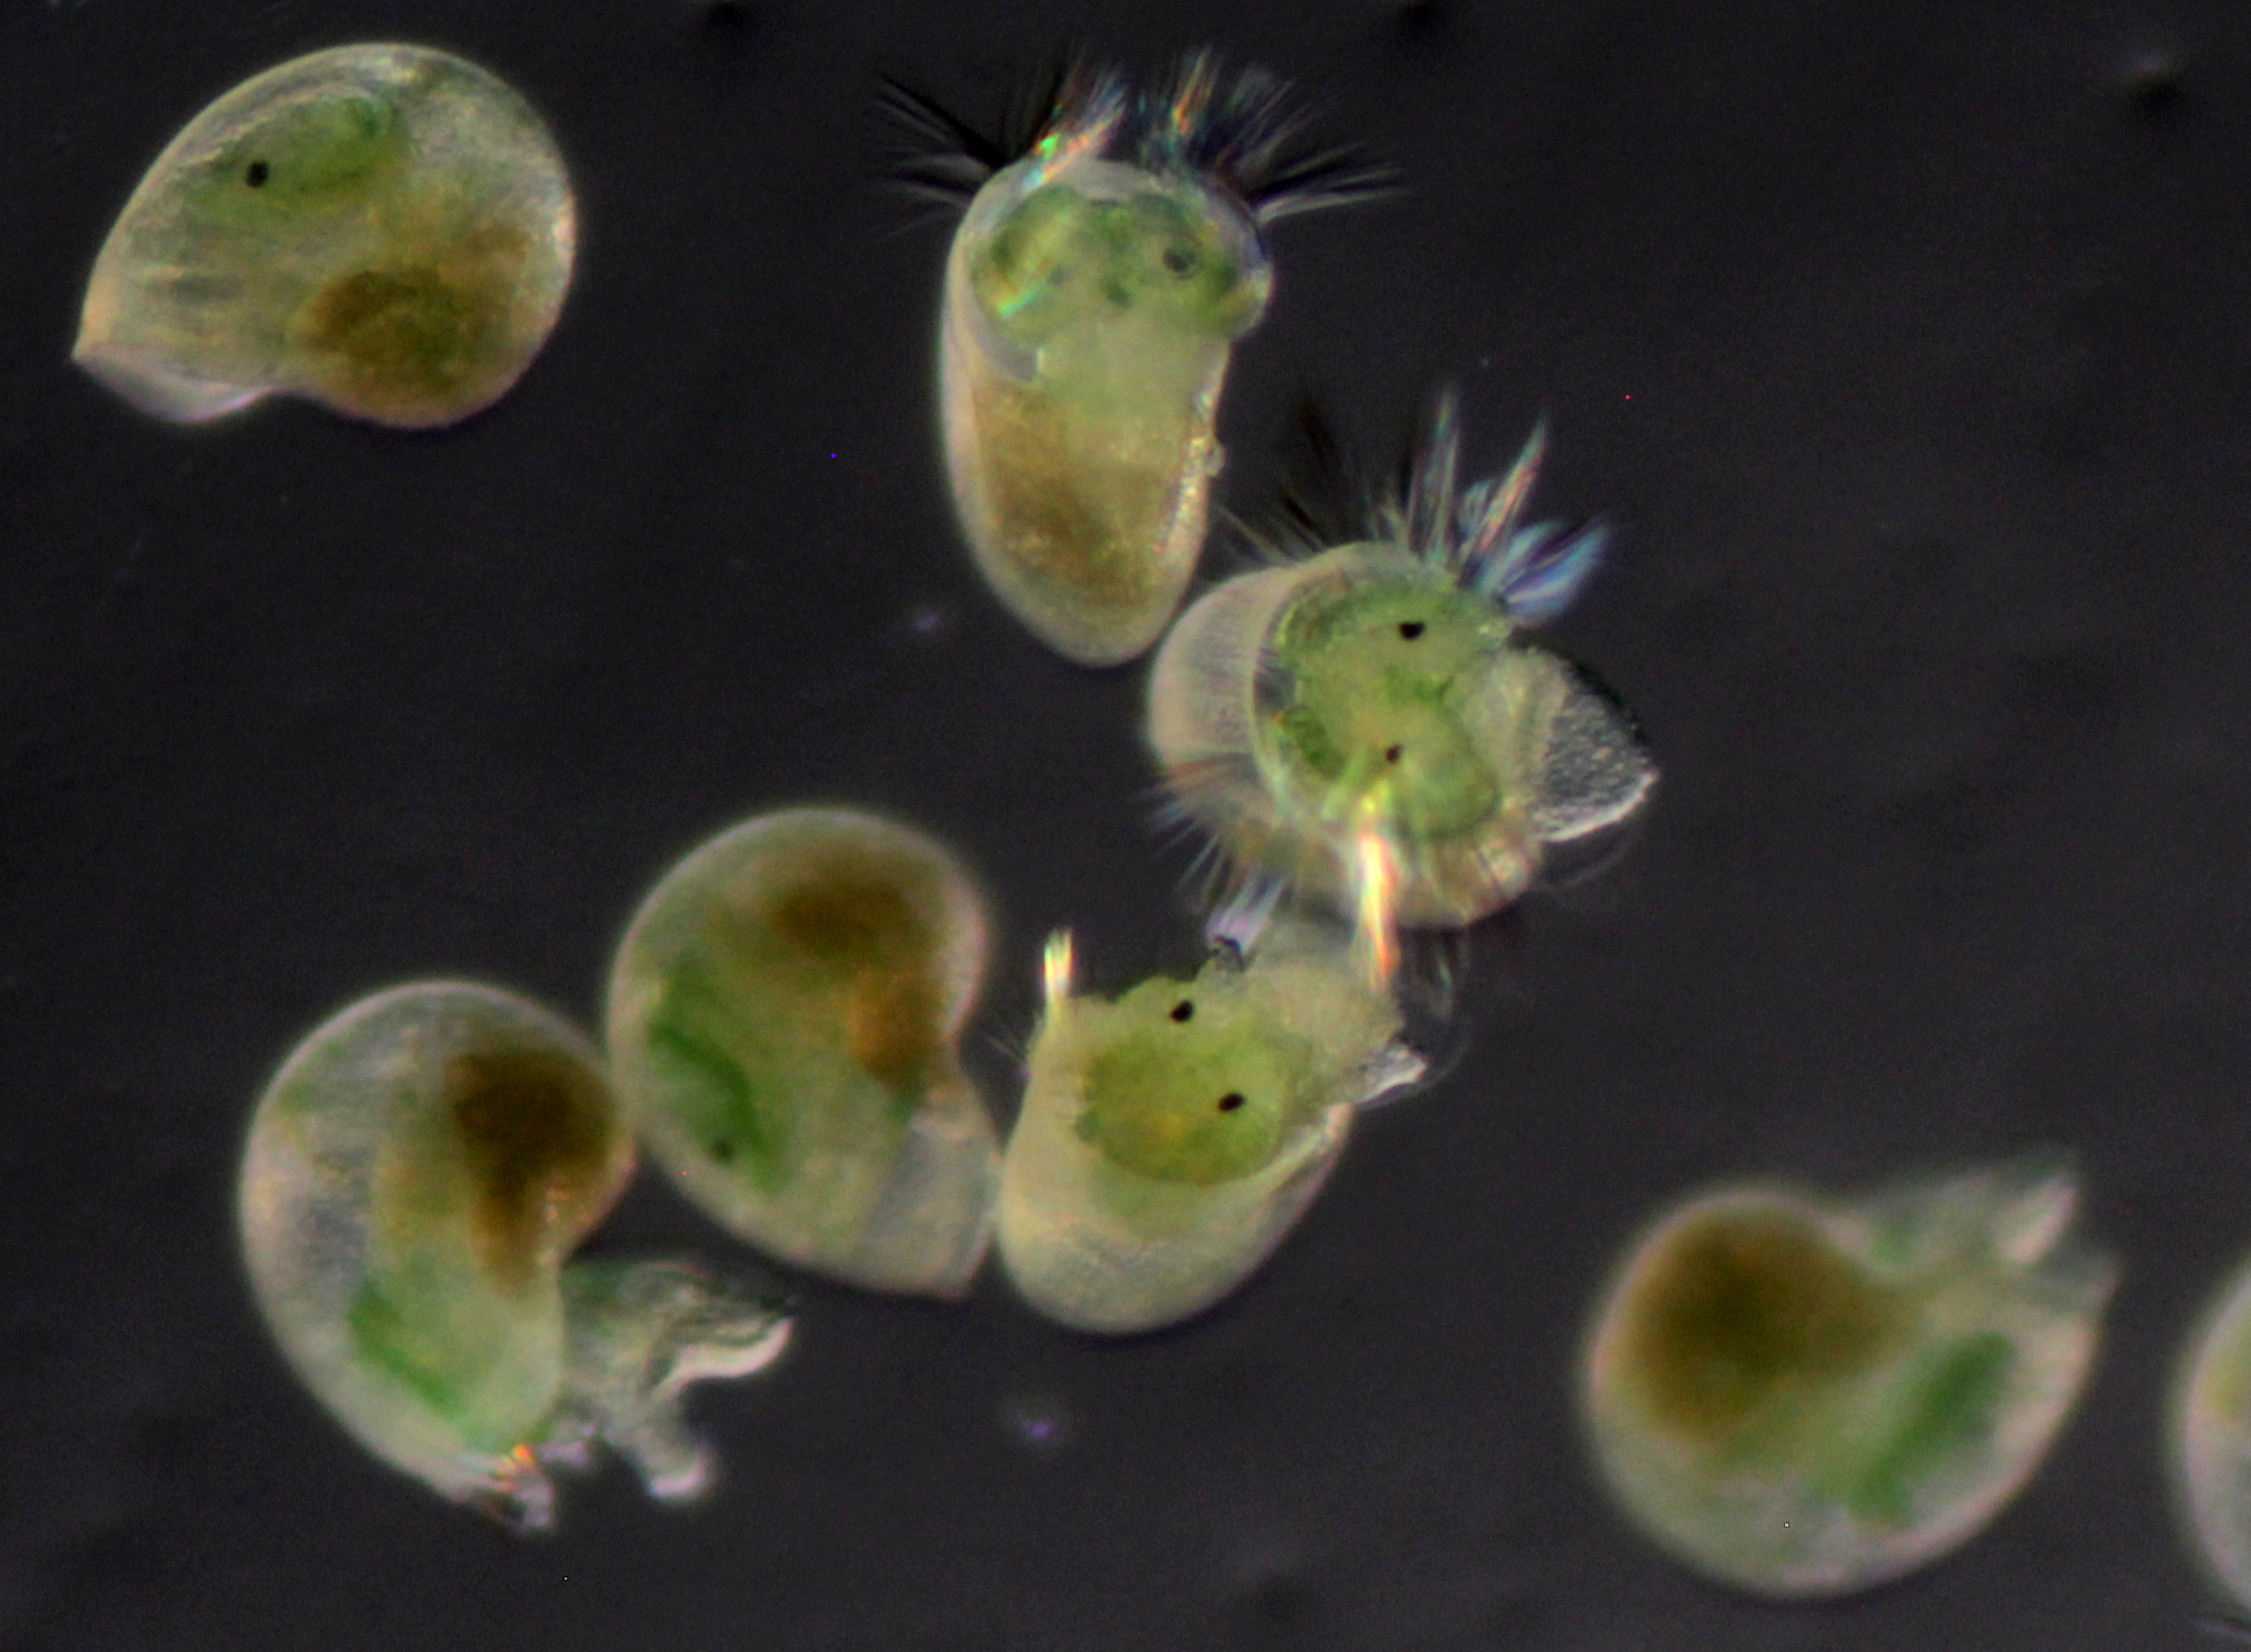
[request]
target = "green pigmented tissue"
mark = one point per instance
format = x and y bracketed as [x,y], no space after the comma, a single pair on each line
[386,230]
[417,1176]
[1389,682]
[1367,724]
[784,1011]
[1172,1135]
[743,1127]
[1953,1405]
[1190,1087]
[1062,263]
[309,153]
[1805,1397]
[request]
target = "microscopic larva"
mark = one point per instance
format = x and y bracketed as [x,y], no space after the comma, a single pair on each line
[2210,1442]
[784,1011]
[1172,1135]
[1094,291]
[386,230]
[417,1175]
[1803,1397]
[1365,724]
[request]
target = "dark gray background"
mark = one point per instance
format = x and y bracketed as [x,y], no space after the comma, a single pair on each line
[1908,343]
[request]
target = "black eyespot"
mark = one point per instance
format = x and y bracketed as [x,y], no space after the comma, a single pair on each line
[1178,260]
[256,173]
[1234,1099]
[1392,753]
[1411,628]
[724,1152]
[1184,1010]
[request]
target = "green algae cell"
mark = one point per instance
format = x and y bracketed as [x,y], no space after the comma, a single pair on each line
[784,1010]
[417,1175]
[1366,722]
[1094,293]
[2209,1444]
[1803,1397]
[386,230]
[1172,1135]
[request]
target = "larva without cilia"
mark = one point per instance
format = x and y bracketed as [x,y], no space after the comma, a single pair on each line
[2210,1438]
[1803,1396]
[1094,291]
[1364,722]
[784,1011]
[1172,1135]
[415,1177]
[386,230]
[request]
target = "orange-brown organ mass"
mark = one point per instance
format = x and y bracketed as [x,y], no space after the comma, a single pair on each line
[1744,1309]
[537,1131]
[854,923]
[409,343]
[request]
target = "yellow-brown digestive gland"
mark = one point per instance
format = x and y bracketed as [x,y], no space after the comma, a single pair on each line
[535,1127]
[1744,1309]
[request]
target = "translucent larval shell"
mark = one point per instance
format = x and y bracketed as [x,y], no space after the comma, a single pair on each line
[2211,1438]
[416,1175]
[784,1010]
[1171,1136]
[1093,294]
[1803,1397]
[383,229]
[1365,724]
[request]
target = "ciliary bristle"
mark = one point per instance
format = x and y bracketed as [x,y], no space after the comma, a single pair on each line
[940,155]
[1246,131]
[1013,1043]
[1240,917]
[1432,500]
[1325,496]
[936,153]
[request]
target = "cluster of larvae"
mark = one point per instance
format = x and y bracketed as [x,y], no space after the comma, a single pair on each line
[1365,736]
[782,1030]
[1360,729]
[1795,1395]
[786,1008]
[1362,723]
